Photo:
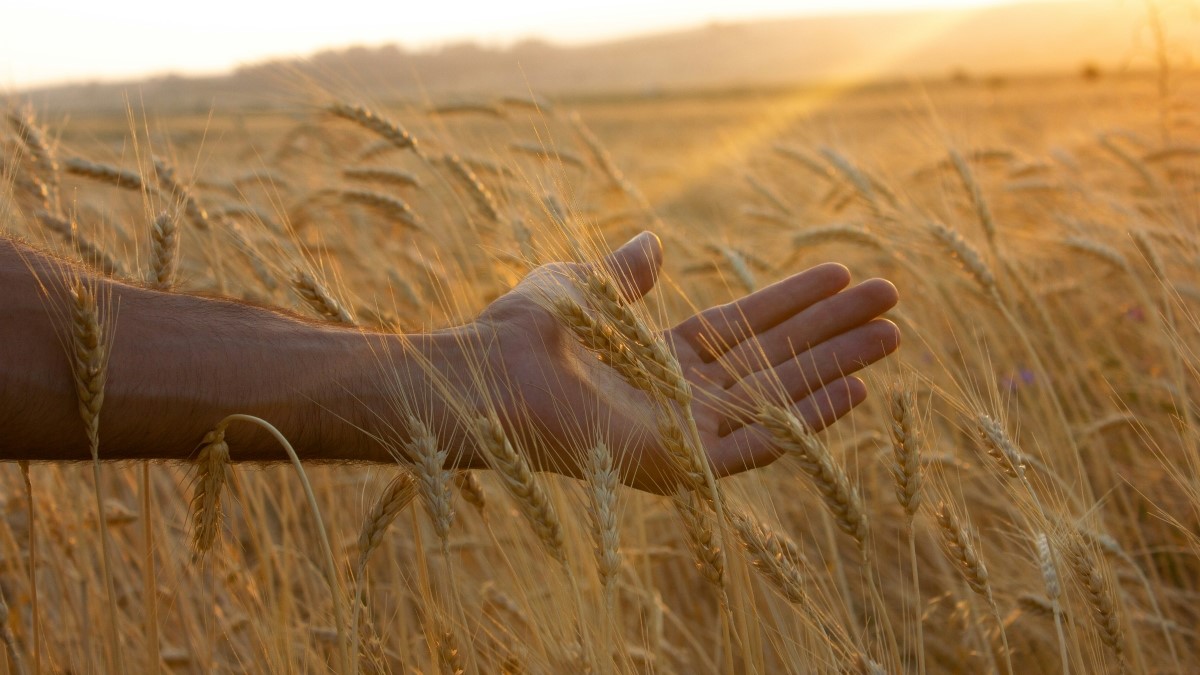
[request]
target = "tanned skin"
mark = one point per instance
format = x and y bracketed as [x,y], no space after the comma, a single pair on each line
[180,363]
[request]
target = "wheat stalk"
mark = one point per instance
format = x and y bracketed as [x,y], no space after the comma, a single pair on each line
[89,363]
[331,573]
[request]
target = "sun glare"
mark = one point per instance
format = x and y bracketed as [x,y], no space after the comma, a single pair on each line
[79,41]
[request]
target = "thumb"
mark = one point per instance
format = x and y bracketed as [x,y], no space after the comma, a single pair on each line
[634,266]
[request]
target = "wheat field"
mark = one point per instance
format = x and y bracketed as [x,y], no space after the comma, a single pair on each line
[1020,493]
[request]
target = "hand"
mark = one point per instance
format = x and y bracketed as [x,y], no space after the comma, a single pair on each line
[804,336]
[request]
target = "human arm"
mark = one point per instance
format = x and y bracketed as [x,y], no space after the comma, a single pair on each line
[179,363]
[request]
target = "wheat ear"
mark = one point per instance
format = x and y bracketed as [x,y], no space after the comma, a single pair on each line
[1053,592]
[599,154]
[906,471]
[906,450]
[449,656]
[387,507]
[967,255]
[960,547]
[319,299]
[397,495]
[518,479]
[975,192]
[35,141]
[164,243]
[393,207]
[212,474]
[373,174]
[827,476]
[1000,447]
[106,173]
[381,126]
[87,249]
[167,182]
[777,559]
[479,192]
[701,538]
[471,489]
[602,488]
[631,348]
[1100,597]
[433,479]
[959,544]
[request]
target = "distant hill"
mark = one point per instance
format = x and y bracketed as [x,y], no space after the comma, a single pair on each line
[1009,40]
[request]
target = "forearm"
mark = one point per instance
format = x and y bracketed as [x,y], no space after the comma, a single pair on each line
[178,364]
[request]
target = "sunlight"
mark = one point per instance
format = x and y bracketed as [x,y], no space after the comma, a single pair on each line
[80,41]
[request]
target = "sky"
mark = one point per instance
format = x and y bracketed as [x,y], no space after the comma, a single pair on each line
[53,41]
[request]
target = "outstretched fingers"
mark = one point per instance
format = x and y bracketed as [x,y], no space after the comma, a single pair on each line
[810,371]
[809,329]
[715,331]
[752,446]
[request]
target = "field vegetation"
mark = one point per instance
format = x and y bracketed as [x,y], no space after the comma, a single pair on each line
[1020,493]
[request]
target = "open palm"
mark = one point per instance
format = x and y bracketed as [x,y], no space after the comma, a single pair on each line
[800,338]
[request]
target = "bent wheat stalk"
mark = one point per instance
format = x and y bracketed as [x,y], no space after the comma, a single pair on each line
[331,574]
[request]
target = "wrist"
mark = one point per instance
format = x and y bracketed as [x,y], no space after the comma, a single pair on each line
[445,378]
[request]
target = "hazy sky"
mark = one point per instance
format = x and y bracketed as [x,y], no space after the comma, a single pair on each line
[55,40]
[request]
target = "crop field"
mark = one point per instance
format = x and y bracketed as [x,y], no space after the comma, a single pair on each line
[1020,493]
